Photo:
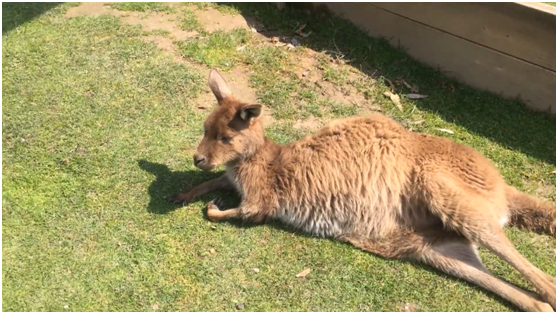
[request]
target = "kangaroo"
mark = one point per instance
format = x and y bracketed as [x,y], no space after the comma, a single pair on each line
[370,182]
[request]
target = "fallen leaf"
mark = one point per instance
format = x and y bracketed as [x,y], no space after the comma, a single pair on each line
[413,88]
[213,227]
[303,273]
[394,99]
[240,306]
[274,39]
[202,107]
[300,33]
[256,270]
[391,86]
[212,251]
[451,87]
[554,172]
[69,271]
[118,243]
[66,306]
[253,30]
[417,122]
[155,307]
[300,28]
[304,35]
[416,96]
[240,48]
[445,130]
[66,161]
[305,73]
[409,307]
[290,46]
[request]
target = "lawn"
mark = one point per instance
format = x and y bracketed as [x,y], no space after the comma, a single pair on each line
[103,109]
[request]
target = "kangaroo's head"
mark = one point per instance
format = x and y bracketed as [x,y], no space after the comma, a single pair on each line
[232,132]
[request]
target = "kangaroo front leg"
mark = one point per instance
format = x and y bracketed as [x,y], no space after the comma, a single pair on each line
[216,184]
[246,211]
[214,212]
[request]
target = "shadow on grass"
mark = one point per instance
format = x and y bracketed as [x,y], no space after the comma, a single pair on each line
[507,122]
[167,180]
[17,13]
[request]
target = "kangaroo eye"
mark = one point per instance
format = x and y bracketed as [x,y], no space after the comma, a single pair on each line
[226,139]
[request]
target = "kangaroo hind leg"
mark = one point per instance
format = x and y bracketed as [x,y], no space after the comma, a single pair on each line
[453,255]
[476,218]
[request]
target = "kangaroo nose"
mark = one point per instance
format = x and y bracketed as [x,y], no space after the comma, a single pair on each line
[198,159]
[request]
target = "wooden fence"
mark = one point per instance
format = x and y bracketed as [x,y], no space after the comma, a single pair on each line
[506,48]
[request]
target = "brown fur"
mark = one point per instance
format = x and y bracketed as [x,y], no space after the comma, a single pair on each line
[372,183]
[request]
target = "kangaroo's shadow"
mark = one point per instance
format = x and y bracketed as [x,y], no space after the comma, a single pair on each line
[169,182]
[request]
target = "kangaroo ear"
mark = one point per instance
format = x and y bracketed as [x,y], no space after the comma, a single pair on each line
[249,112]
[218,86]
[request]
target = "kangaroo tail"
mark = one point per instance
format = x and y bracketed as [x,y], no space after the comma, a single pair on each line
[530,213]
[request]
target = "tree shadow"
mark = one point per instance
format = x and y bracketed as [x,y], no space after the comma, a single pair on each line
[507,122]
[17,13]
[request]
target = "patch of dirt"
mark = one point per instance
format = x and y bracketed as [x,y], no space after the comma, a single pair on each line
[310,124]
[213,20]
[310,71]
[240,85]
[173,4]
[205,101]
[148,21]
[165,44]
[159,21]
[92,9]
[308,68]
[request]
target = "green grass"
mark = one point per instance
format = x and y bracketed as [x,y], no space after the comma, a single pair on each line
[217,50]
[98,129]
[142,6]
[188,21]
[205,5]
